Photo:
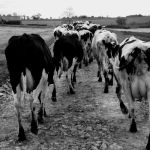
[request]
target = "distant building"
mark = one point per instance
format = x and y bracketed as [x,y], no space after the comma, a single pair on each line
[10,19]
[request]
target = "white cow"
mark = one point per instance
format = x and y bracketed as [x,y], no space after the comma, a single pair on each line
[86,41]
[104,44]
[131,69]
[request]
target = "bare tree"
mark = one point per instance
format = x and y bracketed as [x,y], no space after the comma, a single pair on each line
[36,17]
[68,14]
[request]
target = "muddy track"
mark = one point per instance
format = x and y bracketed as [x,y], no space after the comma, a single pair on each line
[87,120]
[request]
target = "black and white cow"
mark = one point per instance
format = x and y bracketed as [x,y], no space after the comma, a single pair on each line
[31,71]
[59,31]
[86,41]
[94,27]
[132,73]
[103,45]
[65,30]
[68,26]
[68,53]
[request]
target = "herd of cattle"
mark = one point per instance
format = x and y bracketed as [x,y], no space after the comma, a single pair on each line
[33,67]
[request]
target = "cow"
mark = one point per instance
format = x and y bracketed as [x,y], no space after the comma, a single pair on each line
[64,30]
[86,40]
[68,26]
[131,71]
[59,31]
[74,34]
[31,70]
[103,44]
[94,27]
[68,53]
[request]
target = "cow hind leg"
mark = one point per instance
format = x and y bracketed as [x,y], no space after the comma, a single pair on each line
[54,94]
[17,102]
[148,143]
[42,96]
[40,115]
[111,78]
[34,123]
[123,108]
[74,73]
[21,134]
[130,100]
[71,89]
[122,105]
[106,82]
[133,127]
[99,72]
[99,76]
[40,112]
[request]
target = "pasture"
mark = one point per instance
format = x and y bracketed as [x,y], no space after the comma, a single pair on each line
[87,120]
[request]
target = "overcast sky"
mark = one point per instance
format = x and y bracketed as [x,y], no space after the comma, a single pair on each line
[55,8]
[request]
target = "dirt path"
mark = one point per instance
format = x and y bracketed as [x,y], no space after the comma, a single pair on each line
[87,120]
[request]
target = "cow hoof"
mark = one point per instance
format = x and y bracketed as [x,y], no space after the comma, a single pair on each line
[86,64]
[129,116]
[98,73]
[40,120]
[21,138]
[45,114]
[54,99]
[117,89]
[34,130]
[21,135]
[40,116]
[148,146]
[34,127]
[71,91]
[80,66]
[74,80]
[133,127]
[111,83]
[91,60]
[106,90]
[123,108]
[100,79]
